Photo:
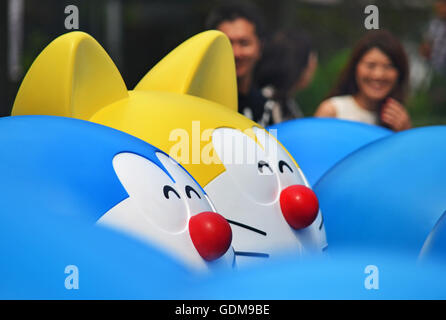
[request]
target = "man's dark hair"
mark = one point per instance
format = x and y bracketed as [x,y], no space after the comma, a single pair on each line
[231,11]
[284,59]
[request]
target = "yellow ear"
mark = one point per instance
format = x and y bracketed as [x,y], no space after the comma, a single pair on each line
[202,66]
[72,77]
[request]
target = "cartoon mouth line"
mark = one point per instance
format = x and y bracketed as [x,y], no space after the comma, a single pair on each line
[247,254]
[263,233]
[251,254]
[322,222]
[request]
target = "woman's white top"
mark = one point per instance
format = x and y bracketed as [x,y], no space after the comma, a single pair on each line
[347,108]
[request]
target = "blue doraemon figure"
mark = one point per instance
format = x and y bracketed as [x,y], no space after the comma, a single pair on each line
[64,167]
[389,194]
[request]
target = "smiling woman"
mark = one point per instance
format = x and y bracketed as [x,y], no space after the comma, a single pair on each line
[373,85]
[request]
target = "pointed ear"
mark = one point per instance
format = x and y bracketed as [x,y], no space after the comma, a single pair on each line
[72,77]
[202,66]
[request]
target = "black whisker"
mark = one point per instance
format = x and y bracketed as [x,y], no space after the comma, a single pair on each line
[263,233]
[251,254]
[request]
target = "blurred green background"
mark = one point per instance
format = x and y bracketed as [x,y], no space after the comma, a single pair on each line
[138,33]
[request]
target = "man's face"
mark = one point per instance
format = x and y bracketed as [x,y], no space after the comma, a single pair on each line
[245,43]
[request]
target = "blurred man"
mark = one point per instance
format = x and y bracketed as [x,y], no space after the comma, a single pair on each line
[243,25]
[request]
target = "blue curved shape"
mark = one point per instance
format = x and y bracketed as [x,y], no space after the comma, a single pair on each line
[347,273]
[389,194]
[435,245]
[317,144]
[38,249]
[57,178]
[66,160]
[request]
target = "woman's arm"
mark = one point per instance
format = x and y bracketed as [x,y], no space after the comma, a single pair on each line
[326,110]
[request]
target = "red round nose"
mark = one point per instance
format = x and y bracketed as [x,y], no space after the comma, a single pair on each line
[299,206]
[210,234]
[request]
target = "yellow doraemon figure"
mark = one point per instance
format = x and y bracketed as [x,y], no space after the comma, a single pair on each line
[187,106]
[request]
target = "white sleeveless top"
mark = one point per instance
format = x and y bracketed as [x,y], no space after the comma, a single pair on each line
[347,108]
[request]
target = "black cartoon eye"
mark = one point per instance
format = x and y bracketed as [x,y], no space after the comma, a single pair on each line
[168,189]
[284,164]
[264,164]
[188,191]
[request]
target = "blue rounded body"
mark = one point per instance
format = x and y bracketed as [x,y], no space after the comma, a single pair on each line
[317,144]
[57,179]
[388,194]
[64,164]
[435,245]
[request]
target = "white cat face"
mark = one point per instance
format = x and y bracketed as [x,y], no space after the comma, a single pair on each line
[254,181]
[163,209]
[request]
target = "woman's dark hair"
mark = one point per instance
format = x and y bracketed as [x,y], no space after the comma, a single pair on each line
[285,57]
[388,44]
[231,10]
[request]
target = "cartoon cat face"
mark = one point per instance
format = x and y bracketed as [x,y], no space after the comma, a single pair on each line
[260,177]
[165,208]
[100,175]
[190,95]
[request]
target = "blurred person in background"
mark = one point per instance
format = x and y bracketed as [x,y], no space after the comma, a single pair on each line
[433,47]
[287,66]
[244,26]
[373,86]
